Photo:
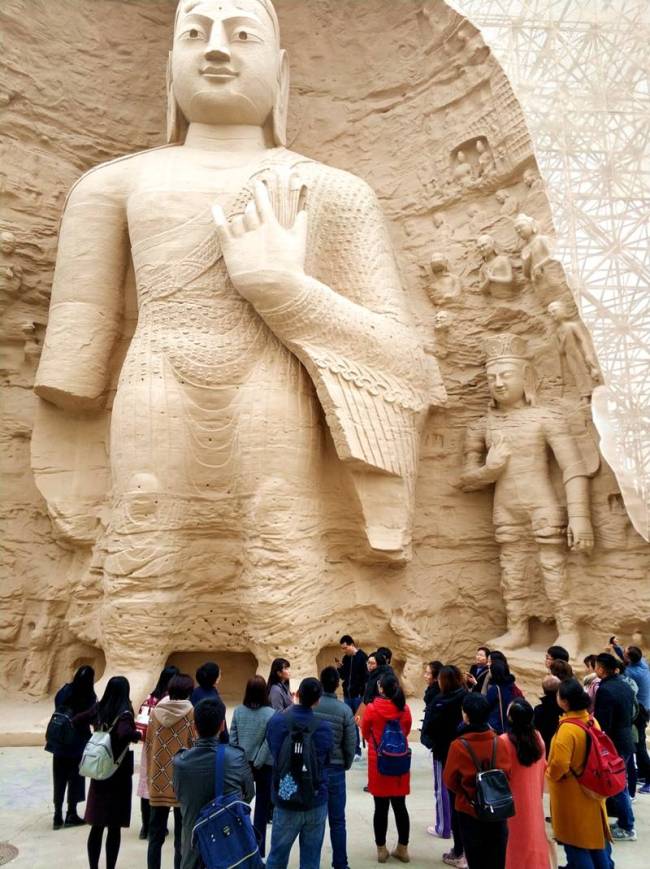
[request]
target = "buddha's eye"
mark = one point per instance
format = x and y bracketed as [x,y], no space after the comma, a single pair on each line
[193,33]
[241,36]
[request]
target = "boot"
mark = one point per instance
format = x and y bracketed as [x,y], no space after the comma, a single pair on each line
[57,821]
[72,819]
[382,854]
[402,853]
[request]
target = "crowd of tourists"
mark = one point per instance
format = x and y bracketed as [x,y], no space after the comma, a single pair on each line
[493,755]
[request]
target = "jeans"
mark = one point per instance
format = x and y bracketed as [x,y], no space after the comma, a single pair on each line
[380,819]
[262,777]
[158,816]
[354,703]
[621,806]
[485,843]
[582,858]
[287,826]
[443,807]
[642,759]
[336,816]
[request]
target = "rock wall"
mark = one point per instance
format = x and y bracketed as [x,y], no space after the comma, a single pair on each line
[391,92]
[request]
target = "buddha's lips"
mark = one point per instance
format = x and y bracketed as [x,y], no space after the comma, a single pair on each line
[221,72]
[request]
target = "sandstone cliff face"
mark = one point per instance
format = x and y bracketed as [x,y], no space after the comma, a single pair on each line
[391,92]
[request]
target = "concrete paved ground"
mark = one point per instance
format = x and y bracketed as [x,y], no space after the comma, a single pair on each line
[26,821]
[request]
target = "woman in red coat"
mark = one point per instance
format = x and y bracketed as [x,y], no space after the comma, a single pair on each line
[387,790]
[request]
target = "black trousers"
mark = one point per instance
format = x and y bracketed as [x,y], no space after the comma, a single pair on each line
[642,759]
[158,816]
[65,774]
[455,826]
[262,777]
[380,819]
[484,842]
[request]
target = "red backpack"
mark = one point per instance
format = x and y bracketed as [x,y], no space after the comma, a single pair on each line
[604,772]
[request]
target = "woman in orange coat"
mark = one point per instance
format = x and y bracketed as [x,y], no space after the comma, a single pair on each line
[579,821]
[527,842]
[387,790]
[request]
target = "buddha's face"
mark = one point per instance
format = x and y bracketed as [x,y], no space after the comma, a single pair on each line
[438,263]
[225,62]
[557,311]
[524,229]
[506,379]
[485,245]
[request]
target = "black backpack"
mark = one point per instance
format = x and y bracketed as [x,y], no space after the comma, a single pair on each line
[494,800]
[298,772]
[60,734]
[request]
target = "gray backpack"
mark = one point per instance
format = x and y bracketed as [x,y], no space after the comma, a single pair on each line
[97,760]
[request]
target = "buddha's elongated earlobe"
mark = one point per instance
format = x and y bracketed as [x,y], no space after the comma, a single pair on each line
[281,107]
[176,121]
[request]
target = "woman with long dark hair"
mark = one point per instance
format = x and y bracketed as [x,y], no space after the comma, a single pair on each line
[527,842]
[279,685]
[439,729]
[248,731]
[109,801]
[141,723]
[388,790]
[579,821]
[500,693]
[73,699]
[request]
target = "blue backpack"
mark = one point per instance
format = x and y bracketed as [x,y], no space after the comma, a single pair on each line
[393,752]
[223,832]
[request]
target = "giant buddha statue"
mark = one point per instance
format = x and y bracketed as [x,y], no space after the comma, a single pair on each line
[274,389]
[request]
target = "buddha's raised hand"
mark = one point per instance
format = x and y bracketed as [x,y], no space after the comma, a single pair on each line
[261,254]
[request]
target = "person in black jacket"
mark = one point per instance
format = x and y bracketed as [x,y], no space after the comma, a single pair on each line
[439,729]
[546,714]
[614,709]
[73,698]
[353,671]
[479,669]
[378,667]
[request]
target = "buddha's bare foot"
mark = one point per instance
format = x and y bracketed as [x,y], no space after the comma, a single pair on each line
[517,637]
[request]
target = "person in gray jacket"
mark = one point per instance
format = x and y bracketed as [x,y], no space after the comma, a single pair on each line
[279,685]
[194,773]
[344,732]
[248,731]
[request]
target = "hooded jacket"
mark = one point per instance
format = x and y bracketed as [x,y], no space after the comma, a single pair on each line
[373,722]
[171,728]
[441,720]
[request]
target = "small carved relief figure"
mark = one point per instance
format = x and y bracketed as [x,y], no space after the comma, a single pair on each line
[444,232]
[536,254]
[576,350]
[532,180]
[510,448]
[442,323]
[485,162]
[462,169]
[445,287]
[507,201]
[11,273]
[476,218]
[31,348]
[496,276]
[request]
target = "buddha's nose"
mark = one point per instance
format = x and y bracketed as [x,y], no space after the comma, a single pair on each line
[218,47]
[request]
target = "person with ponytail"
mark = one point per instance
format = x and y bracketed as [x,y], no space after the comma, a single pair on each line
[388,790]
[527,842]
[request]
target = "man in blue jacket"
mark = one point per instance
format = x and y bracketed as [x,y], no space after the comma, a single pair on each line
[299,790]
[637,669]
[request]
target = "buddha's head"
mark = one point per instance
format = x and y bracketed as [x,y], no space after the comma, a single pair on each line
[439,263]
[486,245]
[525,226]
[510,375]
[558,311]
[227,68]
